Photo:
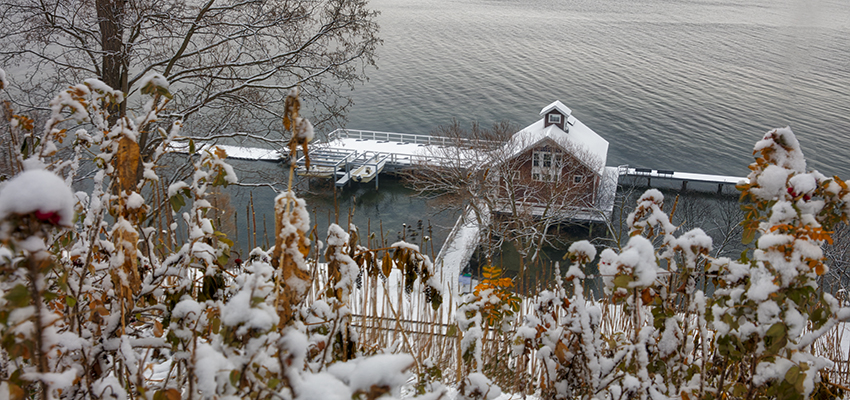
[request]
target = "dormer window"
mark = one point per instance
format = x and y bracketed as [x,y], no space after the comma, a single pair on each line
[554,118]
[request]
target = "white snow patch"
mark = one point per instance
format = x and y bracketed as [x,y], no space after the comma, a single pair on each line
[40,192]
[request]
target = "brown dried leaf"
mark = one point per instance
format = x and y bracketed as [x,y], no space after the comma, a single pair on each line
[171,394]
[561,351]
[293,280]
[127,281]
[387,264]
[292,105]
[15,392]
[157,328]
[127,163]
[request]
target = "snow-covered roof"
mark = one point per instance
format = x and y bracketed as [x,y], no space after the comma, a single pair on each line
[581,139]
[558,106]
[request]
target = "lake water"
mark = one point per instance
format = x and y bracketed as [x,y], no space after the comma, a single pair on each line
[671,84]
[390,214]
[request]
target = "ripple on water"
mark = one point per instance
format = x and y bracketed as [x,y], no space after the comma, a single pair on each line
[674,85]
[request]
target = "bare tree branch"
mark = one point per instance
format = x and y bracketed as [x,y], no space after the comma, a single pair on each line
[227,60]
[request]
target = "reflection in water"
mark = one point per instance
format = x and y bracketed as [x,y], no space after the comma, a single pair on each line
[382,216]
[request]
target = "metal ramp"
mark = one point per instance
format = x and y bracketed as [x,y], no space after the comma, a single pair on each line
[325,163]
[345,178]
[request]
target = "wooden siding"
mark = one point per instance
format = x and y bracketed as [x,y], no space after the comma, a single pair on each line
[561,124]
[581,195]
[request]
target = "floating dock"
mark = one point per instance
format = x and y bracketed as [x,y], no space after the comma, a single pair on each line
[343,165]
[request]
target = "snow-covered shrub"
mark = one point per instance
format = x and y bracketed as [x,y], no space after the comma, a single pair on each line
[476,386]
[751,336]
[484,317]
[95,302]
[767,309]
[564,333]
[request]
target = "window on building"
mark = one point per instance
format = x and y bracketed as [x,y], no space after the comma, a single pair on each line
[554,118]
[546,165]
[577,179]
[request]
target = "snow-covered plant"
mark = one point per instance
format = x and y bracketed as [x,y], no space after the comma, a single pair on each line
[292,225]
[768,310]
[563,333]
[487,313]
[95,305]
[34,207]
[477,386]
[328,319]
[92,272]
[655,276]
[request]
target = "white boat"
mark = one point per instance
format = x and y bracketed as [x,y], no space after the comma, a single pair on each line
[365,173]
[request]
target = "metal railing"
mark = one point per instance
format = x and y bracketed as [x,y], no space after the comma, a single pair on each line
[403,138]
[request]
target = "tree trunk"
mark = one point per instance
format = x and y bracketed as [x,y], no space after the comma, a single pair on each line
[110,14]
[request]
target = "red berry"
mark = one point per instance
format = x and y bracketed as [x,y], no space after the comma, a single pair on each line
[51,217]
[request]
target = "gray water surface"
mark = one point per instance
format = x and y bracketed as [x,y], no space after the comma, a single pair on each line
[671,84]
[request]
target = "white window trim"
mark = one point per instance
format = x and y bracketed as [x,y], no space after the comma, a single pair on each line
[554,118]
[546,166]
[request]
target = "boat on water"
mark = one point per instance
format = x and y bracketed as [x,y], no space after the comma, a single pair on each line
[365,173]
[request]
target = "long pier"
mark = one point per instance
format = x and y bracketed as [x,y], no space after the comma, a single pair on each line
[683,177]
[348,150]
[361,156]
[401,150]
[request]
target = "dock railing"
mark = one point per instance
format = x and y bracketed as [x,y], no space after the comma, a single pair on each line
[402,138]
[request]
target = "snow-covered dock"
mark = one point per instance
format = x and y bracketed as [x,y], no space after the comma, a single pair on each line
[459,247]
[360,156]
[237,152]
[403,150]
[684,177]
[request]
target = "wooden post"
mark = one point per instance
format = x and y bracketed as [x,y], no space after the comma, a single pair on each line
[248,225]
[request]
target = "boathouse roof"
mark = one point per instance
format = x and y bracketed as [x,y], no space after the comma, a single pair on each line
[557,105]
[580,137]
